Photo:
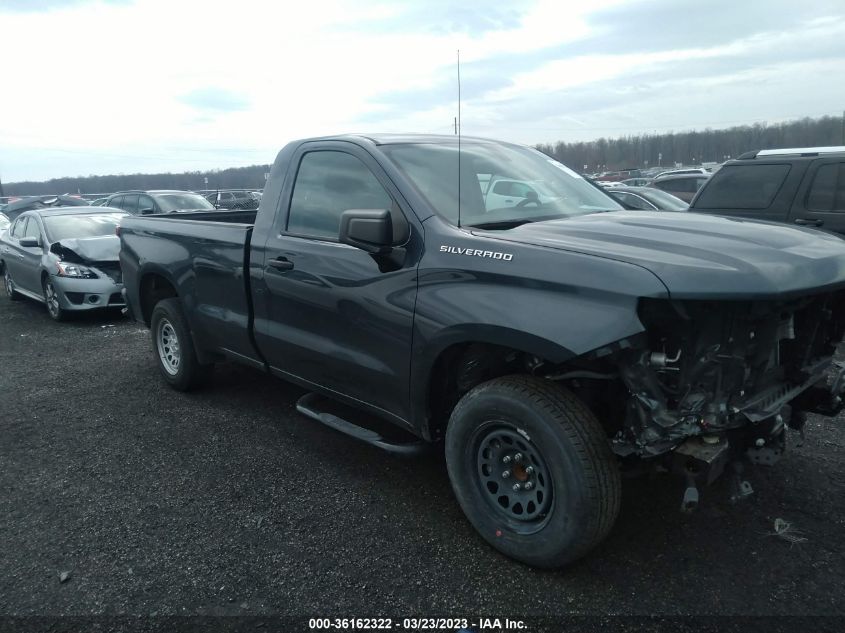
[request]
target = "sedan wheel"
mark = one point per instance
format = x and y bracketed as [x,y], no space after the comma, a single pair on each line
[9,285]
[51,298]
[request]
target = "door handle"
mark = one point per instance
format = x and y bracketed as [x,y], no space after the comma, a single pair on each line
[281,263]
[809,222]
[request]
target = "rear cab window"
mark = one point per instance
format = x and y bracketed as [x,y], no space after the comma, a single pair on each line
[746,186]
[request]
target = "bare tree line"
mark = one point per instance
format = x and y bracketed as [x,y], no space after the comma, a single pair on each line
[695,147]
[251,177]
[647,150]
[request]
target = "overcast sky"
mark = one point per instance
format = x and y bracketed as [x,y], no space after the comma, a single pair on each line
[98,86]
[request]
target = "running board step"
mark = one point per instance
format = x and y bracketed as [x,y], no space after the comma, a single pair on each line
[311,405]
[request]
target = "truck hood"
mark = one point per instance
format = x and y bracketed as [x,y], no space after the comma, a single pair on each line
[699,256]
[104,248]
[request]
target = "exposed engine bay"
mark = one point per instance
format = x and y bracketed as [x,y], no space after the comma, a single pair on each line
[710,367]
[711,382]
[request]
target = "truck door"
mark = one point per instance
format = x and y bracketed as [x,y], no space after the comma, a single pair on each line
[328,313]
[820,201]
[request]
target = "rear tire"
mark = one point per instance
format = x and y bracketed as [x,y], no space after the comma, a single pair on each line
[9,285]
[174,348]
[518,430]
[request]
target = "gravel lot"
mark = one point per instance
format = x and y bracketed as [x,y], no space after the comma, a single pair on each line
[227,501]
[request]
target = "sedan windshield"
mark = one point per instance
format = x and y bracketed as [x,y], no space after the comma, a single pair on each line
[62,227]
[665,201]
[501,186]
[170,202]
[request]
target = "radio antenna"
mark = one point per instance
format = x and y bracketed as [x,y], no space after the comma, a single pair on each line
[458,132]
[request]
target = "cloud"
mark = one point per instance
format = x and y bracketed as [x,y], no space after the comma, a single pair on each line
[215,99]
[654,25]
[473,18]
[196,85]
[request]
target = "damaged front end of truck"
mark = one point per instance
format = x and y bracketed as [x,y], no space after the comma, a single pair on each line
[712,385]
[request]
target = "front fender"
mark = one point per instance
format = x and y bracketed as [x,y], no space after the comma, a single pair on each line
[553,319]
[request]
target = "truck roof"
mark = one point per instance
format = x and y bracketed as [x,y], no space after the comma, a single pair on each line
[392,139]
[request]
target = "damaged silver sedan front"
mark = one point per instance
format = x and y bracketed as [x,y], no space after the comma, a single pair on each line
[67,258]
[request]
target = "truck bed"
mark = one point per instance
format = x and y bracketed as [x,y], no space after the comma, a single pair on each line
[206,254]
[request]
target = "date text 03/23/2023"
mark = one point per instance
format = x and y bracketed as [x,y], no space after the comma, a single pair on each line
[459,625]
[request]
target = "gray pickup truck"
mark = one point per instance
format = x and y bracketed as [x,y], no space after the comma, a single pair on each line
[549,344]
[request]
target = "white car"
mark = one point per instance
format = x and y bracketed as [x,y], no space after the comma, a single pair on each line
[504,192]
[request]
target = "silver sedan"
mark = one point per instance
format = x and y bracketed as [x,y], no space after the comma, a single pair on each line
[67,258]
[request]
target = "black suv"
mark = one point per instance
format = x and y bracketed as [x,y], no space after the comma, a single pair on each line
[163,201]
[232,199]
[804,186]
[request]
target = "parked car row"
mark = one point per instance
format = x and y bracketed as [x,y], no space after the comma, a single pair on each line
[162,201]
[234,199]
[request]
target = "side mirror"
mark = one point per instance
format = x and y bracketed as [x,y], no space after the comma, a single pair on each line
[29,242]
[371,230]
[532,196]
[146,211]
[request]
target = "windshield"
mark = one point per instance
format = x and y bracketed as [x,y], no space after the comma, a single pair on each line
[62,227]
[500,185]
[665,200]
[170,202]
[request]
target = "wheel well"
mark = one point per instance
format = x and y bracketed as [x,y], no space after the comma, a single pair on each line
[153,289]
[461,367]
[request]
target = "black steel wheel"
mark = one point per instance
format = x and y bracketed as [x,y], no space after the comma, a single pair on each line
[532,470]
[513,475]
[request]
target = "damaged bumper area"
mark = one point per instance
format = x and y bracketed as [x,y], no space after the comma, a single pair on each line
[711,382]
[89,294]
[83,282]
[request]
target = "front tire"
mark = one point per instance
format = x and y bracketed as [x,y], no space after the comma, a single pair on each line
[51,299]
[532,470]
[174,347]
[9,285]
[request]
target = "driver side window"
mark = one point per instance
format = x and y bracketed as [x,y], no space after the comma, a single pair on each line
[20,225]
[327,184]
[32,229]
